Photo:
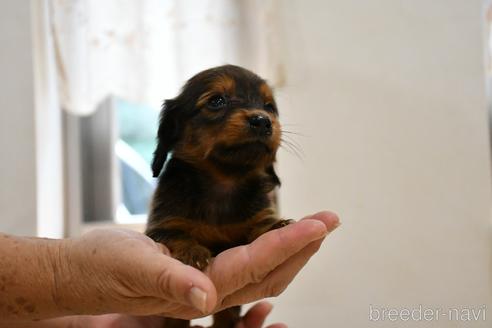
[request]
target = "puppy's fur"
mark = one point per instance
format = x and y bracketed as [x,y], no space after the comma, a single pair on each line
[217,142]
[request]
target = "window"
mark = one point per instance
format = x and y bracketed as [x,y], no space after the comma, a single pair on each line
[137,129]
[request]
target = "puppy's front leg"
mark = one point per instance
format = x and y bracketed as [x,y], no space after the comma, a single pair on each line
[182,246]
[280,224]
[227,318]
[187,250]
[266,225]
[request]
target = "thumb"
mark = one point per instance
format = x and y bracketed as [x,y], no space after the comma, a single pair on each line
[183,284]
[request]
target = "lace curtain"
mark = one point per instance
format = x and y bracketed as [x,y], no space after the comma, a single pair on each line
[143,50]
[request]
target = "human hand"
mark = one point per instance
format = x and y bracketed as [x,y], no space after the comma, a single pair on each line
[254,318]
[265,267]
[120,271]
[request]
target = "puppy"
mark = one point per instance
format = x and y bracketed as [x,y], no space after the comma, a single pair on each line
[217,142]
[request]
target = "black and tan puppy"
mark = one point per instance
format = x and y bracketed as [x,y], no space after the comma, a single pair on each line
[216,148]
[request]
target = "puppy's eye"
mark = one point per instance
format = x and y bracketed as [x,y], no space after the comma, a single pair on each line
[216,102]
[269,107]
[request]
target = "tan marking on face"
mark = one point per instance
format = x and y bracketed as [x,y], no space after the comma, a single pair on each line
[202,101]
[266,93]
[196,145]
[223,85]
[235,129]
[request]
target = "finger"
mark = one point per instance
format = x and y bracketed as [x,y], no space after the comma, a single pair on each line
[163,249]
[239,266]
[256,316]
[330,219]
[176,282]
[276,282]
[119,320]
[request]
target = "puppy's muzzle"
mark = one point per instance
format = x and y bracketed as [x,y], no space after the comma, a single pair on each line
[260,125]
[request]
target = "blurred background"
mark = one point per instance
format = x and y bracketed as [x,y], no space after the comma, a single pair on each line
[388,102]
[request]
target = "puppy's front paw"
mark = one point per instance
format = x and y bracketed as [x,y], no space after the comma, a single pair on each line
[196,255]
[269,225]
[281,224]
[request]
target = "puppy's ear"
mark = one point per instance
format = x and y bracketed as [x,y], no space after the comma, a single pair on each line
[273,176]
[167,135]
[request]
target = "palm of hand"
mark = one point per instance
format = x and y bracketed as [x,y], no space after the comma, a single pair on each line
[135,275]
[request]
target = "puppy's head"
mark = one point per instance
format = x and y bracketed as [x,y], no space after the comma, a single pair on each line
[225,116]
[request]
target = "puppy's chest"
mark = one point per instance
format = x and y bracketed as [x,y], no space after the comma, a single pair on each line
[224,205]
[218,215]
[205,201]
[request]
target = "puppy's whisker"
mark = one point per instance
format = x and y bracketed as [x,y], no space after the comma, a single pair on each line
[288,127]
[291,151]
[289,137]
[292,148]
[293,133]
[296,133]
[292,145]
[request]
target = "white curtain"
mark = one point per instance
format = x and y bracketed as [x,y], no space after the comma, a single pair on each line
[143,50]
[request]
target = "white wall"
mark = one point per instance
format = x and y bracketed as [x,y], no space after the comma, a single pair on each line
[31,172]
[390,97]
[17,132]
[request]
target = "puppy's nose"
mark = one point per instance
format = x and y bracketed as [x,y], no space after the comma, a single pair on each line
[260,124]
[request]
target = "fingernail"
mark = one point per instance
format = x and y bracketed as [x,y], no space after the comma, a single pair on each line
[198,298]
[336,225]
